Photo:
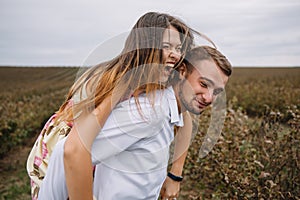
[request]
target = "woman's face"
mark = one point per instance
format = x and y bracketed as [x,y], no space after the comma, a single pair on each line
[171,50]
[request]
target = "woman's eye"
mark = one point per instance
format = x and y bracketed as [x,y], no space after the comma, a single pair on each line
[178,49]
[166,46]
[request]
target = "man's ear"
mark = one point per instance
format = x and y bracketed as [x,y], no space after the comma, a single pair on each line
[182,69]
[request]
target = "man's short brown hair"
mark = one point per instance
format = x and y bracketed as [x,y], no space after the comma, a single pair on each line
[207,53]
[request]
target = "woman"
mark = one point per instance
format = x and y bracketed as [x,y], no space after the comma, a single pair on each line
[142,56]
[140,68]
[139,49]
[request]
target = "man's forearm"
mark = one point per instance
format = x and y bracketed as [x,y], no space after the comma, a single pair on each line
[177,165]
[182,143]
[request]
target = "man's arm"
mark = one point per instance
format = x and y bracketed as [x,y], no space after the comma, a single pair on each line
[182,141]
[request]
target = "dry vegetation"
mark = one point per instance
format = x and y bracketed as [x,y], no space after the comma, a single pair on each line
[28,97]
[257,156]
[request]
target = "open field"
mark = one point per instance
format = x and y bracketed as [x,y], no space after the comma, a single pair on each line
[28,97]
[257,156]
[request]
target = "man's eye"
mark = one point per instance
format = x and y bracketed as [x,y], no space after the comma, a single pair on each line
[217,91]
[203,84]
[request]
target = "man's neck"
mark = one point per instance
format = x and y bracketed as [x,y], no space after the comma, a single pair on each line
[176,91]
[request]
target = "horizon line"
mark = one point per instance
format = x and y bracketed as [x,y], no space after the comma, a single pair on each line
[78,66]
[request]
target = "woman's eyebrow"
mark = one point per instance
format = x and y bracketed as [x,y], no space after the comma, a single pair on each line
[168,42]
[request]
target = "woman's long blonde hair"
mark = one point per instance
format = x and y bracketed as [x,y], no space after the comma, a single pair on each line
[135,68]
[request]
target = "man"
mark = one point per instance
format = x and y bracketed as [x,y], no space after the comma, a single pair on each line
[131,152]
[206,73]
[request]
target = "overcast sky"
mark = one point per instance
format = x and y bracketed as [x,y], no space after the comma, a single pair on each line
[62,32]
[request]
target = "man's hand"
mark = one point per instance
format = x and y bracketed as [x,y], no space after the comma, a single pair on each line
[170,189]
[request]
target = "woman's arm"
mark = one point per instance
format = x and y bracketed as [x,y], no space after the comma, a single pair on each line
[182,141]
[77,157]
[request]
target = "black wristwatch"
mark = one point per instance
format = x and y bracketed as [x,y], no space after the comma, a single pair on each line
[174,177]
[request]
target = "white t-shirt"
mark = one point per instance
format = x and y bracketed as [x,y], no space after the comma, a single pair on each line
[130,153]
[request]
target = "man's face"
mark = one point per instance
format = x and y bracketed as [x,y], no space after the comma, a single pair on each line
[201,86]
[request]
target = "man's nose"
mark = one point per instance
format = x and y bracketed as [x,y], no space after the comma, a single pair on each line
[207,97]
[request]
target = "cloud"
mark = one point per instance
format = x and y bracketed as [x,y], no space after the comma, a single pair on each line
[64,32]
